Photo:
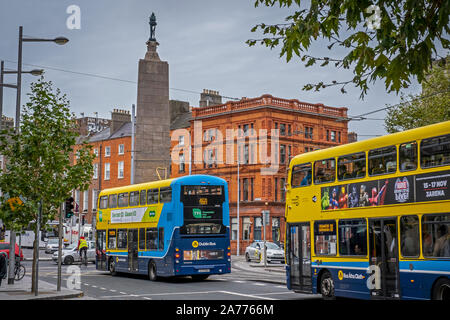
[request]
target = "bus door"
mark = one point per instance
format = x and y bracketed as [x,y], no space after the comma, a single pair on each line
[133,250]
[300,257]
[383,258]
[100,252]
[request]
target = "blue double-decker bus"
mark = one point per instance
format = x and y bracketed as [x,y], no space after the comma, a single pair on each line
[174,227]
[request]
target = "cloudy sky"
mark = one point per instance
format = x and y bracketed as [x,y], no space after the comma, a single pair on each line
[202,40]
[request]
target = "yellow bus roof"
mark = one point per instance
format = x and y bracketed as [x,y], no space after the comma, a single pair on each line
[373,143]
[139,186]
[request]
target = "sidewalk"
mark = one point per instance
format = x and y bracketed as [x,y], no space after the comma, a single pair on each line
[21,290]
[273,272]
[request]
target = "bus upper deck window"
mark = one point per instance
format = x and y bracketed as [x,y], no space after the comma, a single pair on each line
[152,196]
[352,166]
[123,200]
[324,170]
[103,202]
[408,156]
[165,194]
[435,151]
[382,160]
[112,201]
[301,175]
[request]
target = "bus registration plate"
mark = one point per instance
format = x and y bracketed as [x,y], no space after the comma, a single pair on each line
[203,270]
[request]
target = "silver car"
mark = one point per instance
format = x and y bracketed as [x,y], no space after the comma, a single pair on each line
[52,245]
[274,252]
[70,254]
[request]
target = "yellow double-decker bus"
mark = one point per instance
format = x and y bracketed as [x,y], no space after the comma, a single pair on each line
[371,219]
[174,227]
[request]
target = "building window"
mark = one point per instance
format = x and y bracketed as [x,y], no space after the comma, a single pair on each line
[120,170]
[181,166]
[308,132]
[245,189]
[96,152]
[282,129]
[289,130]
[282,189]
[95,175]
[234,229]
[181,141]
[276,229]
[107,171]
[257,231]
[246,154]
[107,151]
[282,153]
[333,136]
[246,228]
[121,149]
[85,200]
[94,199]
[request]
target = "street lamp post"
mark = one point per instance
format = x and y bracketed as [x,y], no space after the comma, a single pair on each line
[58,40]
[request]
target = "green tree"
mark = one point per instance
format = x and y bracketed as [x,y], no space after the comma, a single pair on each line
[38,165]
[432,105]
[395,43]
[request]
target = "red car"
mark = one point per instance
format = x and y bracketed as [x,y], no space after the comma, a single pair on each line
[4,247]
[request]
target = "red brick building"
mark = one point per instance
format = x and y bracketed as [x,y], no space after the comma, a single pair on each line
[266,132]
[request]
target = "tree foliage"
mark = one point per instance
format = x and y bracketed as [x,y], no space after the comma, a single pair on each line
[38,166]
[395,48]
[431,106]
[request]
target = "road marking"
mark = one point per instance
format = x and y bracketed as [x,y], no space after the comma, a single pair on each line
[239,281]
[123,292]
[103,288]
[258,284]
[247,295]
[112,290]
[147,298]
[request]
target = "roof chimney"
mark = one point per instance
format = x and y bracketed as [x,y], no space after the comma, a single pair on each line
[210,98]
[118,118]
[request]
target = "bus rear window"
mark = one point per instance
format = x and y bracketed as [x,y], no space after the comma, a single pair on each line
[435,152]
[202,190]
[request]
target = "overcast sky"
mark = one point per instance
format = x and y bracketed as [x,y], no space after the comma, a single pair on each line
[202,40]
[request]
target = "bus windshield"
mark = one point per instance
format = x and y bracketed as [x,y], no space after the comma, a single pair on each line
[202,210]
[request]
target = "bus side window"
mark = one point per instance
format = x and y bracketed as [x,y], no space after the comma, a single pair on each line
[142,195]
[152,196]
[103,202]
[112,201]
[324,170]
[134,198]
[112,239]
[301,175]
[165,195]
[122,238]
[161,238]
[152,238]
[408,156]
[123,199]
[352,166]
[142,239]
[435,151]
[409,236]
[383,160]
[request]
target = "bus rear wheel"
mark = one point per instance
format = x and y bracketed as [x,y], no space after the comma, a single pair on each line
[112,267]
[441,290]
[152,275]
[327,286]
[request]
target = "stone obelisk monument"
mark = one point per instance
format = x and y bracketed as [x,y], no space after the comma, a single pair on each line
[152,151]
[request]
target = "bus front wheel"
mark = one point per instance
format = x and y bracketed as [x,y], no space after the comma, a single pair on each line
[441,290]
[152,271]
[327,286]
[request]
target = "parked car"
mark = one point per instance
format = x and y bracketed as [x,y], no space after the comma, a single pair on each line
[4,247]
[70,254]
[274,252]
[52,245]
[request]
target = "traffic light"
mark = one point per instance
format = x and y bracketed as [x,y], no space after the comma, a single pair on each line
[69,207]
